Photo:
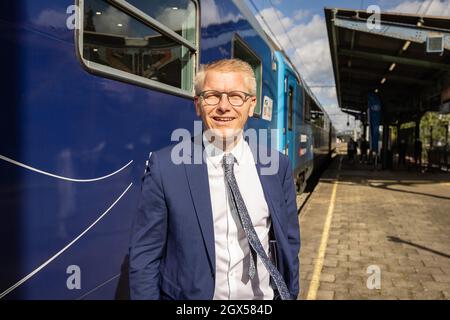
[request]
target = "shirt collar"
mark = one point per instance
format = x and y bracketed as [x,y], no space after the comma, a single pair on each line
[215,154]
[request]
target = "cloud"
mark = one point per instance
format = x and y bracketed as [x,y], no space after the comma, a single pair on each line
[306,43]
[301,14]
[214,16]
[311,53]
[272,17]
[428,7]
[224,38]
[174,19]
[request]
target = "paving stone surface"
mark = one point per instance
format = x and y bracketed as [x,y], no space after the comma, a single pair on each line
[395,222]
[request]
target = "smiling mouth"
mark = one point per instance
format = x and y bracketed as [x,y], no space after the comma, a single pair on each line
[223,119]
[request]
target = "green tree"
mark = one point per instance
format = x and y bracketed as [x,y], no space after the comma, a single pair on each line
[437,122]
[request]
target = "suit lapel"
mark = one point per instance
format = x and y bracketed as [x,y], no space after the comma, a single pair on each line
[197,176]
[267,183]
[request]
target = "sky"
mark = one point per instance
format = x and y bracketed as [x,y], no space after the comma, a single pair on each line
[300,28]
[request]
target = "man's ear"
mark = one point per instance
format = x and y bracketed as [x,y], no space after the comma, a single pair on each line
[251,110]
[197,105]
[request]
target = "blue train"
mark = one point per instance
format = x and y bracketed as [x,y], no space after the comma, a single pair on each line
[90,88]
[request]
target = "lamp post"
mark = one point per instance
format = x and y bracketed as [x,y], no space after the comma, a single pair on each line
[431,137]
[446,145]
[446,135]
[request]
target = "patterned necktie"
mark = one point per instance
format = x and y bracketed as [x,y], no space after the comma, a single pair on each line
[256,247]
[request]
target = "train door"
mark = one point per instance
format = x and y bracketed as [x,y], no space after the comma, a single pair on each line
[289,127]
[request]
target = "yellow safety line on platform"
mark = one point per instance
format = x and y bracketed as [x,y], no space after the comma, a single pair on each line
[315,281]
[407,181]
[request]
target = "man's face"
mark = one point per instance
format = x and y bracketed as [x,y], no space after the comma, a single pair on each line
[224,119]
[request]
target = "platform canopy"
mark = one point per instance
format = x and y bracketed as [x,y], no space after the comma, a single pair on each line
[403,58]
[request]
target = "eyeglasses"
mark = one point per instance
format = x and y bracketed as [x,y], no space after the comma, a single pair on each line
[235,98]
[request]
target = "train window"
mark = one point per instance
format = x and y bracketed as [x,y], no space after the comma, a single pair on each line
[307,106]
[242,51]
[178,15]
[290,107]
[119,41]
[317,116]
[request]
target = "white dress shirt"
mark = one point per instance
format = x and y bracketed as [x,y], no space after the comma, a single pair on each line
[232,249]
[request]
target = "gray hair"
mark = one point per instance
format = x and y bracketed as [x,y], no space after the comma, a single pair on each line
[226,65]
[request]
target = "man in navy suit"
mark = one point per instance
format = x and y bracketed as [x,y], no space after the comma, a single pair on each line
[225,227]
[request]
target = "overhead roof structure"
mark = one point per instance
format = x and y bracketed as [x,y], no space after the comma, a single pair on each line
[388,56]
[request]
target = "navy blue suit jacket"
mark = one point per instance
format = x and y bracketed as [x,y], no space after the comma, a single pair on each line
[172,252]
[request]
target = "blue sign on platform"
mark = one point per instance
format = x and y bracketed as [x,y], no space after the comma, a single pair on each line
[374,113]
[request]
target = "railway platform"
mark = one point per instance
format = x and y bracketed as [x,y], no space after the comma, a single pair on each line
[375,234]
